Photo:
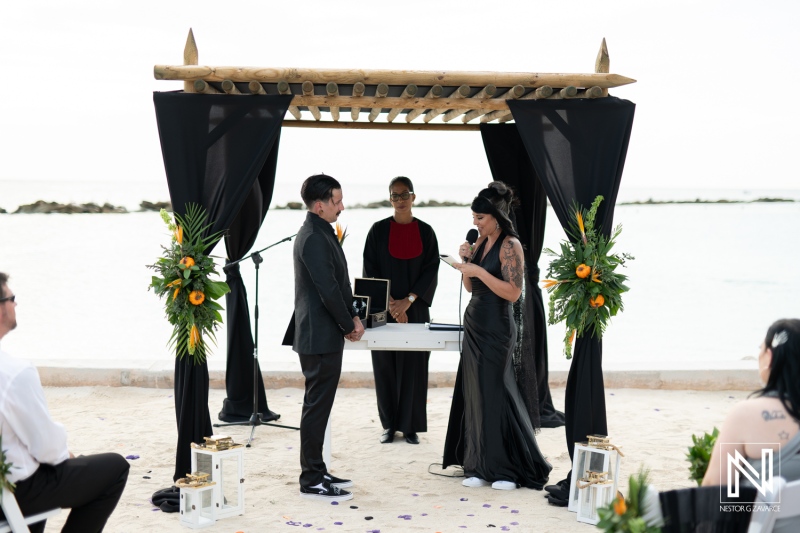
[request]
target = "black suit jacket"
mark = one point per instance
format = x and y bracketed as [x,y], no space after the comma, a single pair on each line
[323,297]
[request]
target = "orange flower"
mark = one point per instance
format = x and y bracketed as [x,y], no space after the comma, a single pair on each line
[572,337]
[596,276]
[597,301]
[547,283]
[341,233]
[582,271]
[187,262]
[175,294]
[194,338]
[174,283]
[579,217]
[196,297]
[619,506]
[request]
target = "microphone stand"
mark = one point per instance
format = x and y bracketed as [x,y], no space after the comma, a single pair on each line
[255,418]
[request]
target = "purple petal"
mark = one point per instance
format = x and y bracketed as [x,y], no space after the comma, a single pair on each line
[288,447]
[424,514]
[306,525]
[100,418]
[514,523]
[131,457]
[156,509]
[415,494]
[486,505]
[470,515]
[514,511]
[656,409]
[464,499]
[504,507]
[337,523]
[334,503]
[504,528]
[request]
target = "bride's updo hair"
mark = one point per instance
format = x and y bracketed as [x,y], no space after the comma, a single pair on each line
[497,200]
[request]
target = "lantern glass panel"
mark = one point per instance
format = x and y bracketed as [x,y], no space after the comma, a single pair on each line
[229,474]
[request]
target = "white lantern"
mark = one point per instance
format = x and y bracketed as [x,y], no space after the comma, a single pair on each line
[197,502]
[224,462]
[594,492]
[597,455]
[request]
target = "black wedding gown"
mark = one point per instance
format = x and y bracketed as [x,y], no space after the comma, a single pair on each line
[489,432]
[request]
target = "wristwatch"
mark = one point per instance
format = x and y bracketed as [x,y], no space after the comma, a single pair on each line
[411,298]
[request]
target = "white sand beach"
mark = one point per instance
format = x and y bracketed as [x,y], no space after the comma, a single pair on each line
[395,486]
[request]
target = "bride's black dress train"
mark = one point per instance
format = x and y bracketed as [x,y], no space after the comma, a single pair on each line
[489,432]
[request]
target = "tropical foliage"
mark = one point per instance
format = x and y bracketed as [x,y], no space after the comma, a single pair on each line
[699,455]
[585,289]
[5,470]
[184,280]
[636,514]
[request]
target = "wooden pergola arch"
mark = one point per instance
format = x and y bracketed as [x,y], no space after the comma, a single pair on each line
[392,99]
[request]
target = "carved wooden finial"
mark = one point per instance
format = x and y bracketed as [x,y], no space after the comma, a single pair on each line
[602,63]
[190,57]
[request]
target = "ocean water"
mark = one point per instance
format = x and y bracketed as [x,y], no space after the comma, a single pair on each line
[707,281]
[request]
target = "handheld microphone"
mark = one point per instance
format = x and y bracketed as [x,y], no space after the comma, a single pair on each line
[472,236]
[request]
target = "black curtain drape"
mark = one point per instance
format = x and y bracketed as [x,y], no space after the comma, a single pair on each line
[578,150]
[240,369]
[214,149]
[509,162]
[698,509]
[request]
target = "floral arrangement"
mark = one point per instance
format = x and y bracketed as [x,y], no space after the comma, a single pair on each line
[5,470]
[699,455]
[585,291]
[184,279]
[341,233]
[637,514]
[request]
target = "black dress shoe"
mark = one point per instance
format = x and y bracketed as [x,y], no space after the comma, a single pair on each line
[387,436]
[269,416]
[556,501]
[411,438]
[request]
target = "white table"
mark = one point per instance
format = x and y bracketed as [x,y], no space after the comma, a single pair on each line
[397,337]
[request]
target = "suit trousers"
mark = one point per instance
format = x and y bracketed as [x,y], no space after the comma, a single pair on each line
[90,485]
[322,372]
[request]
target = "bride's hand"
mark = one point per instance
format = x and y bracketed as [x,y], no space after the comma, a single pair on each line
[465,250]
[470,270]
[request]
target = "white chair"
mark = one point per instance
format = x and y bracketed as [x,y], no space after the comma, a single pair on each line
[788,494]
[15,522]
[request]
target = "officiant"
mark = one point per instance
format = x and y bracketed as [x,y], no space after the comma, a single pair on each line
[404,250]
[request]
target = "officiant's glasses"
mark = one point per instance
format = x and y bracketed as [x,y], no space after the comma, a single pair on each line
[9,298]
[402,196]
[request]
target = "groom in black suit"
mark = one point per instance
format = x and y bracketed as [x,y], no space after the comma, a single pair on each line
[323,318]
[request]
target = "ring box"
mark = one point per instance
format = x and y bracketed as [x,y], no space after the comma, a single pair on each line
[377,290]
[361,308]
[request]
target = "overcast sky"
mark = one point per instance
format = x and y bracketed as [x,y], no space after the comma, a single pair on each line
[716,91]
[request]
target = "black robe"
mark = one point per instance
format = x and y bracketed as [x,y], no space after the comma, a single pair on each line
[401,377]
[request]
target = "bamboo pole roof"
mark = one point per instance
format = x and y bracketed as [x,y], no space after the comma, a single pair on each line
[391,99]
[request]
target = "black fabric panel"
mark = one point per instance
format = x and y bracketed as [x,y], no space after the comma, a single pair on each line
[509,162]
[578,150]
[214,148]
[241,367]
[698,509]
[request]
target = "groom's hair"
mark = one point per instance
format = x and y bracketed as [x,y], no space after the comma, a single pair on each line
[318,187]
[3,282]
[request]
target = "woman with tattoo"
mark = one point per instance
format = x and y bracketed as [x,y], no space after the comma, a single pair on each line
[490,432]
[770,419]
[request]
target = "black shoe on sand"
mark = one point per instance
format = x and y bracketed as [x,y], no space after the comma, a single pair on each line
[338,482]
[325,492]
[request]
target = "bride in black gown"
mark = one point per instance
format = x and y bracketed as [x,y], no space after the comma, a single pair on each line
[490,433]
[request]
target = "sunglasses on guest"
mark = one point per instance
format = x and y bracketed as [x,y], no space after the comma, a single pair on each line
[11,298]
[402,196]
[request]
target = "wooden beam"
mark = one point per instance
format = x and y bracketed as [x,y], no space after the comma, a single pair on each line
[308,90]
[380,125]
[459,94]
[434,92]
[511,94]
[283,88]
[199,86]
[409,92]
[229,87]
[390,77]
[333,91]
[501,116]
[358,90]
[591,92]
[380,92]
[603,63]
[485,93]
[256,88]
[190,57]
[392,102]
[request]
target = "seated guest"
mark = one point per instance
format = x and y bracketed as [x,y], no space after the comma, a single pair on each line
[771,415]
[46,474]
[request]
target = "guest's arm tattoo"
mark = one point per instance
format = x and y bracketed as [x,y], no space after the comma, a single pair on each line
[513,267]
[772,415]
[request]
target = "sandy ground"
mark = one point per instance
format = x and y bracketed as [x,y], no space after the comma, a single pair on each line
[396,488]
